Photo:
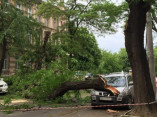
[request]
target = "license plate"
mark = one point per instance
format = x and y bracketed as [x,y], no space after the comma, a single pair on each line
[106,98]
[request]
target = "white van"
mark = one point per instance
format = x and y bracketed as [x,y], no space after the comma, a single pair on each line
[3,86]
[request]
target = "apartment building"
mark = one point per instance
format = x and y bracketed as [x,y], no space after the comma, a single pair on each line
[48,25]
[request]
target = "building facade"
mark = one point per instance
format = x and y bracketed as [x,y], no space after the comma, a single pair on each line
[48,25]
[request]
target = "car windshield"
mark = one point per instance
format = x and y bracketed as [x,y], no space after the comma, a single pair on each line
[116,81]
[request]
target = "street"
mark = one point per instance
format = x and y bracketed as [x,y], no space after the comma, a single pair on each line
[81,112]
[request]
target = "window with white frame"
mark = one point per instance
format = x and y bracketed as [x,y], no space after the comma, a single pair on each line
[29,12]
[5,64]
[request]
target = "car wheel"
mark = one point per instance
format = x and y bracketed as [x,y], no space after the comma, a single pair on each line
[94,107]
[130,101]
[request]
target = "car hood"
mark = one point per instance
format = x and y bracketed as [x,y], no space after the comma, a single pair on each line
[120,89]
[2,82]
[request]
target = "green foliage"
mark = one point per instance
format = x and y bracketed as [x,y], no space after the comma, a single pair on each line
[123,60]
[97,14]
[39,85]
[84,49]
[7,100]
[109,63]
[114,62]
[17,29]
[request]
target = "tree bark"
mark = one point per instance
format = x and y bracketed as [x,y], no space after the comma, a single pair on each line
[150,51]
[4,44]
[134,42]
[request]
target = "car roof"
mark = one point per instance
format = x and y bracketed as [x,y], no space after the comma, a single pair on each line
[117,74]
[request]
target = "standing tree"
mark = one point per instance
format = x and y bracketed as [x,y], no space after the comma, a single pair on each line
[134,42]
[100,15]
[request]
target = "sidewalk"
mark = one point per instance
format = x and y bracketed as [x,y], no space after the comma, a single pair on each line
[18,101]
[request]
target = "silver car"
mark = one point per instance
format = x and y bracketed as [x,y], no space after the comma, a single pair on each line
[122,82]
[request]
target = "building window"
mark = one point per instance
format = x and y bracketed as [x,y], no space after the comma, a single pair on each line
[5,64]
[38,18]
[47,35]
[29,12]
[54,23]
[47,22]
[19,6]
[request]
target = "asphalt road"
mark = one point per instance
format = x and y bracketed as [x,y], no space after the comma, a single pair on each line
[83,112]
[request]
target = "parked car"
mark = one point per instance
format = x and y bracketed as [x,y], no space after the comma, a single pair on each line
[123,83]
[3,86]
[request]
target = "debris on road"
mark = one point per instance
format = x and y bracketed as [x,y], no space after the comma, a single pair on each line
[112,111]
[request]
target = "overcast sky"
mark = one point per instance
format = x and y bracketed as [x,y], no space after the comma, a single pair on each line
[112,42]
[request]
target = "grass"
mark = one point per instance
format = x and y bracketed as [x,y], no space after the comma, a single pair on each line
[8,108]
[12,96]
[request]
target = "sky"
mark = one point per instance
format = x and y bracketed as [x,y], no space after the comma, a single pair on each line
[113,42]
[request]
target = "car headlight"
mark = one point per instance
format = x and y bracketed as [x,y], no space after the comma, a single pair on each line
[95,93]
[120,96]
[5,85]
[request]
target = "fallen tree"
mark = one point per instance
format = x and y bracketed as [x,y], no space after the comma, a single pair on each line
[97,84]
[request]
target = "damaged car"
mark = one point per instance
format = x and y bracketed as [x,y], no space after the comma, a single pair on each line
[123,83]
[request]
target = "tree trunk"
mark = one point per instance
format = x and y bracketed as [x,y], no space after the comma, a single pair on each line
[134,42]
[4,44]
[97,84]
[150,51]
[38,64]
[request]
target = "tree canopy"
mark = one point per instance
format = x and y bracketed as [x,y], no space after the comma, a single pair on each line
[16,30]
